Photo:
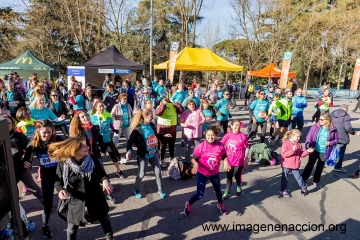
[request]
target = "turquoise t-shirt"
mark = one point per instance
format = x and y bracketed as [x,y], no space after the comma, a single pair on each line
[195,99]
[154,84]
[208,117]
[11,97]
[260,108]
[150,139]
[104,126]
[178,96]
[161,92]
[224,108]
[79,99]
[220,94]
[126,122]
[321,140]
[42,114]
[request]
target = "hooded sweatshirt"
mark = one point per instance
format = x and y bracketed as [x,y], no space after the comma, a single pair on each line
[342,121]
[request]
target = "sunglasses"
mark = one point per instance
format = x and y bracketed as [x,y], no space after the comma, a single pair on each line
[262,93]
[54,95]
[322,119]
[226,94]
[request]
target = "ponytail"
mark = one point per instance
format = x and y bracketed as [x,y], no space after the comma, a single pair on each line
[290,133]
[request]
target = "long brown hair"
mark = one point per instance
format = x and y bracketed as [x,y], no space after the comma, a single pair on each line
[65,149]
[76,129]
[139,118]
[36,141]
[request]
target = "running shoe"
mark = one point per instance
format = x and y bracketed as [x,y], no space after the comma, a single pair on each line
[111,198]
[123,160]
[222,208]
[238,190]
[354,176]
[182,143]
[137,193]
[285,193]
[317,185]
[163,164]
[46,231]
[25,191]
[161,193]
[343,170]
[187,209]
[120,174]
[226,195]
[304,192]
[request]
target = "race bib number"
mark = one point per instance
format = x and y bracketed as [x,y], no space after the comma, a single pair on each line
[151,141]
[262,115]
[208,119]
[45,161]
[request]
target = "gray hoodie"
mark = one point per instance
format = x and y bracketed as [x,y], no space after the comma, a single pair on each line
[342,121]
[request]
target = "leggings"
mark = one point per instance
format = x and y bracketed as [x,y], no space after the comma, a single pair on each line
[112,155]
[143,162]
[254,126]
[201,181]
[28,181]
[317,158]
[47,187]
[63,128]
[105,224]
[189,143]
[224,125]
[234,172]
[164,141]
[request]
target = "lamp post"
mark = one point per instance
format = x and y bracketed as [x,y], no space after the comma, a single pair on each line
[323,46]
[151,39]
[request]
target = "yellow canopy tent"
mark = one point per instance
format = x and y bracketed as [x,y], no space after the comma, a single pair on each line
[199,59]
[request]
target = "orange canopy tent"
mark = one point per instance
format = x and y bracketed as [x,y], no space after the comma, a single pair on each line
[270,71]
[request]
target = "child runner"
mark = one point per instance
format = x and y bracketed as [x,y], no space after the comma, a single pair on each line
[208,113]
[222,111]
[272,113]
[237,148]
[291,152]
[206,162]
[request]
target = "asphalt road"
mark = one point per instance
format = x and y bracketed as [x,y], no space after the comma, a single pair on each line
[328,213]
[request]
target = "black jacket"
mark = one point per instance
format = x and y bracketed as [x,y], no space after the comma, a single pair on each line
[137,138]
[84,193]
[62,108]
[20,140]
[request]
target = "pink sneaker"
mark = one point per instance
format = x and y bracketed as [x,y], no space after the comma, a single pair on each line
[273,162]
[38,178]
[25,191]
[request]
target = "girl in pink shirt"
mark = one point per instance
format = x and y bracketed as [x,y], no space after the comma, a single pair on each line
[237,148]
[206,162]
[291,152]
[191,120]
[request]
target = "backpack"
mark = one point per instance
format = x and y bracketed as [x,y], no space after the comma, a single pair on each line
[185,170]
[174,170]
[251,88]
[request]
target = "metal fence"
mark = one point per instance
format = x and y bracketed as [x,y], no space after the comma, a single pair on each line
[339,94]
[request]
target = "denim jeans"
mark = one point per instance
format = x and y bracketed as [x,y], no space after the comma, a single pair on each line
[341,148]
[297,176]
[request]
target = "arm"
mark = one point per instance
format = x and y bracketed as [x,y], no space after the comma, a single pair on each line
[100,172]
[72,100]
[286,152]
[131,140]
[347,125]
[160,109]
[336,140]
[28,155]
[64,108]
[202,118]
[179,108]
[59,183]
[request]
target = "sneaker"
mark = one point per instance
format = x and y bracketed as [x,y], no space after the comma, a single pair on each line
[46,231]
[238,190]
[343,170]
[120,174]
[111,198]
[226,195]
[137,194]
[123,161]
[87,217]
[161,193]
[273,162]
[187,209]
[163,164]
[285,194]
[354,176]
[25,191]
[222,209]
[182,143]
[304,192]
[271,142]
[317,185]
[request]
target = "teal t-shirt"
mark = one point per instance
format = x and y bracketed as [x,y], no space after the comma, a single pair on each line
[224,108]
[79,99]
[260,108]
[126,122]
[220,94]
[161,92]
[321,140]
[208,117]
[104,126]
[42,114]
[195,99]
[150,140]
[11,97]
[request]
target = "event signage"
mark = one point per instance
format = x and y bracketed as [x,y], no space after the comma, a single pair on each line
[78,72]
[172,59]
[24,60]
[114,71]
[356,76]
[285,69]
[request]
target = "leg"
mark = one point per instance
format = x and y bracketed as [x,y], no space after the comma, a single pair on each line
[229,176]
[238,172]
[189,142]
[106,226]
[201,181]
[310,165]
[225,126]
[299,179]
[263,126]
[249,126]
[171,143]
[71,231]
[341,148]
[215,181]
[155,164]
[28,180]
[163,144]
[126,133]
[319,169]
[48,192]
[116,137]
[143,162]
[113,156]
[284,179]
[253,130]
[294,122]
[301,122]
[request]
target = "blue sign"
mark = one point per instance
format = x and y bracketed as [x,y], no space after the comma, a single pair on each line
[79,71]
[122,71]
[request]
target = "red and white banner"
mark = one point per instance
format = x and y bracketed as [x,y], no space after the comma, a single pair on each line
[356,76]
[285,70]
[172,59]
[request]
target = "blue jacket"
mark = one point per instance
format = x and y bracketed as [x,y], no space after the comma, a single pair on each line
[298,105]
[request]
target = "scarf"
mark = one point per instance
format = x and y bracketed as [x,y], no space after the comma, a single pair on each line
[84,170]
[22,125]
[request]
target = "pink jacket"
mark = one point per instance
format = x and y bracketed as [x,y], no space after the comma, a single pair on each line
[291,159]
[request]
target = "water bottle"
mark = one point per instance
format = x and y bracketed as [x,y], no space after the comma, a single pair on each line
[31,226]
[7,232]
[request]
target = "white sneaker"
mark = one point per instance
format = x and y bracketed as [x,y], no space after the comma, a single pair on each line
[163,163]
[123,161]
[343,170]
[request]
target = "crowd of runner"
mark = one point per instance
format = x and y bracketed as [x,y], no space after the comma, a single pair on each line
[149,114]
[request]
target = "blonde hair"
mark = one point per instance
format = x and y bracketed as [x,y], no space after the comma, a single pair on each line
[202,102]
[65,149]
[327,117]
[139,118]
[291,133]
[35,101]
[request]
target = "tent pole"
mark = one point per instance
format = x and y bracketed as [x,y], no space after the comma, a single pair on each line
[151,39]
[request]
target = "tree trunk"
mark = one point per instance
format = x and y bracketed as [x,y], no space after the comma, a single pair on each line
[340,73]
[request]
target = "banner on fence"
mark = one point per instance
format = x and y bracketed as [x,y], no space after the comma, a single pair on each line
[172,59]
[356,76]
[285,70]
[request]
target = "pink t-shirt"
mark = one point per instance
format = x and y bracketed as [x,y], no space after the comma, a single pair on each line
[209,156]
[193,130]
[235,145]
